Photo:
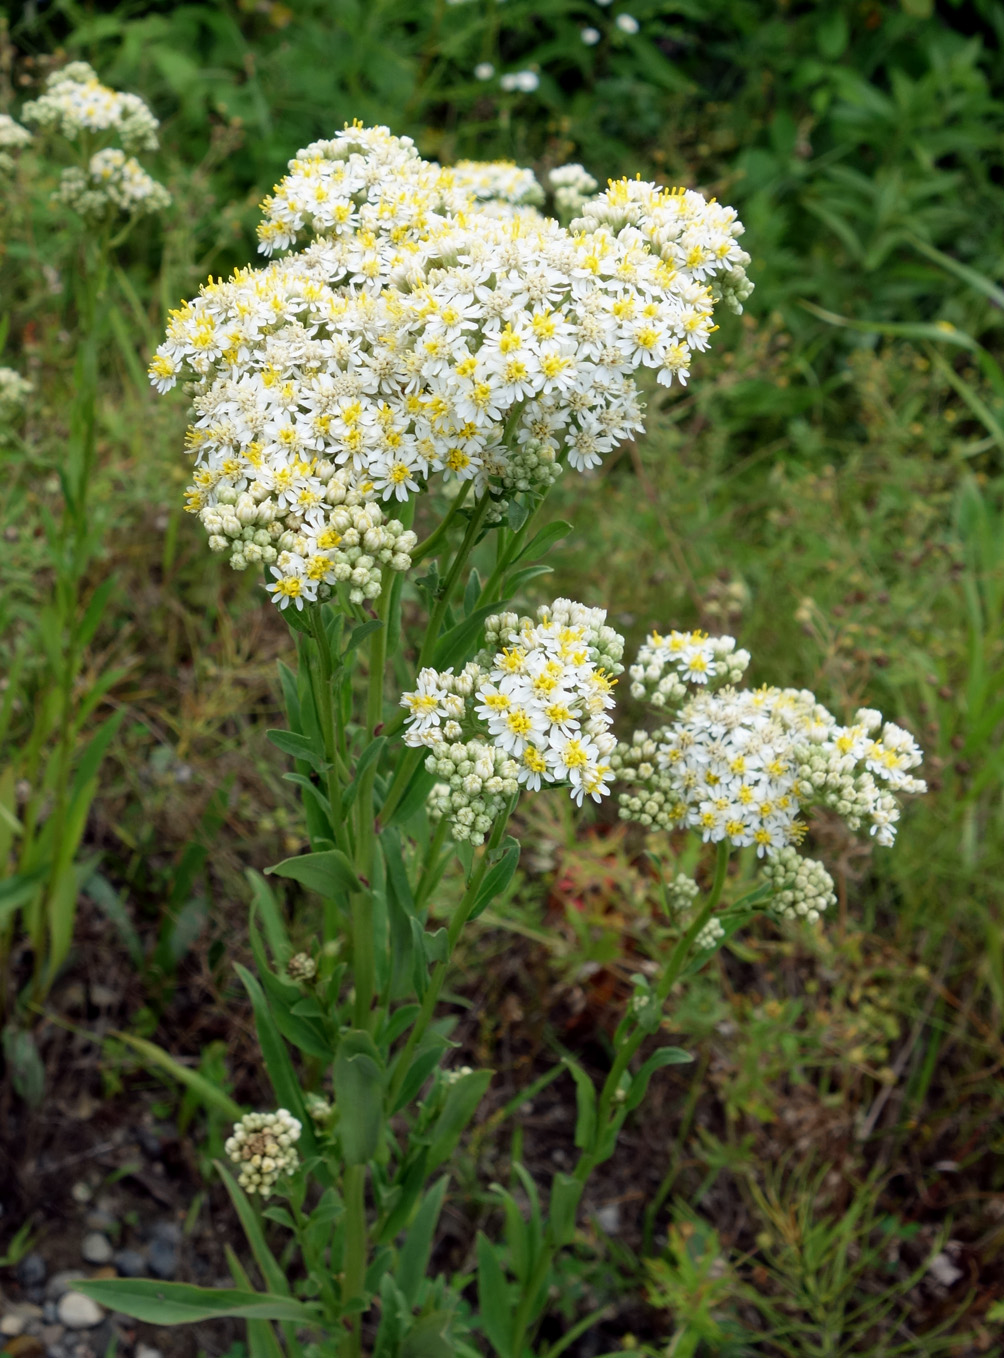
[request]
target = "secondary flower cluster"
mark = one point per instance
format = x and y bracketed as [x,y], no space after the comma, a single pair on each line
[665,665]
[78,107]
[112,180]
[803,889]
[311,543]
[13,137]
[743,764]
[572,185]
[697,238]
[76,103]
[542,702]
[420,332]
[14,391]
[263,1145]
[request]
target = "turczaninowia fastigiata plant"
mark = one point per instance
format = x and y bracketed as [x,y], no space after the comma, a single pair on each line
[435,330]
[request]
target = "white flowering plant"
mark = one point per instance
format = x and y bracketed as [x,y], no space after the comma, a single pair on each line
[432,350]
[77,119]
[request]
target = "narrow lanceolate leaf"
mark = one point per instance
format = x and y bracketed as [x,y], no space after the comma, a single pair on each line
[211,1095]
[493,1298]
[328,873]
[277,1062]
[274,1276]
[180,1304]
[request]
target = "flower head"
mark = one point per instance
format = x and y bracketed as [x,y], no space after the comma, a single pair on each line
[263,1145]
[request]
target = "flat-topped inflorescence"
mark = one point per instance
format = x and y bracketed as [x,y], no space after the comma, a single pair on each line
[112,183]
[433,324]
[744,765]
[108,181]
[75,103]
[536,711]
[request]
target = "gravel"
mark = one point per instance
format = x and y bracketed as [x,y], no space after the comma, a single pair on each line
[96,1248]
[163,1258]
[78,1312]
[129,1264]
[31,1271]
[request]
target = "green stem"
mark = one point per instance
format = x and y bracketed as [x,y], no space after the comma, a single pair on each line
[363,959]
[512,550]
[590,1157]
[430,865]
[452,579]
[432,542]
[354,1261]
[324,701]
[457,922]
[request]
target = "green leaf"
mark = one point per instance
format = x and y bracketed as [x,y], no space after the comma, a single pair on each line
[461,1103]
[665,1056]
[262,1342]
[429,1337]
[456,644]
[180,1304]
[275,1278]
[24,1065]
[329,873]
[566,1193]
[547,538]
[359,1087]
[263,902]
[585,1101]
[413,1260]
[300,747]
[369,756]
[497,878]
[493,1298]
[18,890]
[423,1064]
[360,633]
[942,331]
[211,1095]
[280,1068]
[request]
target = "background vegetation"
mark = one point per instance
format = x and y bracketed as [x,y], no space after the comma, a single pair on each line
[828,489]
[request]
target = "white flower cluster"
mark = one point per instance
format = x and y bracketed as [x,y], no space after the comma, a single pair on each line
[77,106]
[681,893]
[542,701]
[572,185]
[741,765]
[420,333]
[711,934]
[312,541]
[477,779]
[113,181]
[803,888]
[264,1146]
[75,102]
[697,238]
[14,392]
[301,967]
[665,665]
[497,181]
[13,137]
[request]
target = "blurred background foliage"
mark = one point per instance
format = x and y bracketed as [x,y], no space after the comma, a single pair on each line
[828,489]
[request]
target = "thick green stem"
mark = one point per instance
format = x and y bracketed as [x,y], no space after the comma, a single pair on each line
[432,542]
[452,580]
[436,981]
[590,1156]
[324,701]
[363,959]
[354,1262]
